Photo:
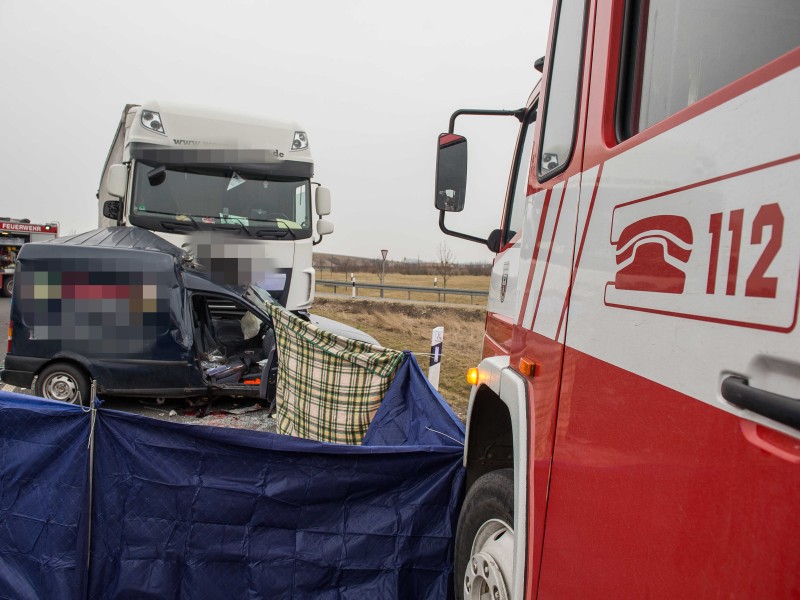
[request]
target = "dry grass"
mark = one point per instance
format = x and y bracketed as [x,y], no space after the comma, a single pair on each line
[407,326]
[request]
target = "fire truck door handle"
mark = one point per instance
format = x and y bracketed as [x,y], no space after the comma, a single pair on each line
[782,409]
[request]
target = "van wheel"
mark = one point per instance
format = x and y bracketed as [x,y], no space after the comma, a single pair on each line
[8,286]
[485,539]
[64,382]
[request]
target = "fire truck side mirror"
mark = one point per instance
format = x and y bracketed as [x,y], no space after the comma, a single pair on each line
[322,201]
[111,209]
[117,182]
[493,241]
[451,172]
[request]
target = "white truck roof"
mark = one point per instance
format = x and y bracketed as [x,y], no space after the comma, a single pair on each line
[187,126]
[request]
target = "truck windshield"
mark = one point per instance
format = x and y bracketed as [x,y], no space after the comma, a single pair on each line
[211,196]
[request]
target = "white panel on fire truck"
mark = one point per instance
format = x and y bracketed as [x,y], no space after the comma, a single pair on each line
[549,314]
[589,183]
[504,284]
[690,264]
[532,216]
[542,209]
[549,212]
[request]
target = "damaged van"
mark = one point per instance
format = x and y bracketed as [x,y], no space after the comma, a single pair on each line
[125,309]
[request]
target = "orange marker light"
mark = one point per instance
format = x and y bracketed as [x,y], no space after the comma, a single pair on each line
[472,376]
[527,367]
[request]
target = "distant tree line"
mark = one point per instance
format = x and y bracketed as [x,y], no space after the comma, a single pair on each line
[335,266]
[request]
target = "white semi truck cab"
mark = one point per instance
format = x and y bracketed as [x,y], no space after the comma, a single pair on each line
[233,189]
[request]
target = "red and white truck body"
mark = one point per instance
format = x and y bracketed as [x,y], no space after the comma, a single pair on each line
[640,388]
[13,234]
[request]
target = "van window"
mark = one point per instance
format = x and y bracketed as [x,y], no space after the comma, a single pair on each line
[679,51]
[561,105]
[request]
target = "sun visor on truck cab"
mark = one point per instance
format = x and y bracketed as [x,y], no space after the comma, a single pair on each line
[264,161]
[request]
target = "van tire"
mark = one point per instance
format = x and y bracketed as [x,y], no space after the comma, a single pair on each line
[486,531]
[8,286]
[64,382]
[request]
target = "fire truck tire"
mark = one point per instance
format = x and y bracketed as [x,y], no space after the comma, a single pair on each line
[64,382]
[8,286]
[484,556]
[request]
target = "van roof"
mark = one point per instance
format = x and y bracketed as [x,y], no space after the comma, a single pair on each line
[134,238]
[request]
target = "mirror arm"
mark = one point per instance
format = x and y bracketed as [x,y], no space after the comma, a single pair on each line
[518,113]
[462,236]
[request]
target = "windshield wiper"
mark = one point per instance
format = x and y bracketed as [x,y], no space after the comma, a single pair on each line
[236,221]
[178,224]
[278,233]
[274,233]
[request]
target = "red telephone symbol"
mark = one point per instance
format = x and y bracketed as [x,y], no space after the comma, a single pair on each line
[652,252]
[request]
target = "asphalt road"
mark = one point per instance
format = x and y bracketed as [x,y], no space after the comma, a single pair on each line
[225,412]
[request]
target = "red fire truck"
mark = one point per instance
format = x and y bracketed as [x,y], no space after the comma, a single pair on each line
[634,427]
[13,234]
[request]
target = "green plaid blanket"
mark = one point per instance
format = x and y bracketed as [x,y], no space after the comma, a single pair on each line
[329,387]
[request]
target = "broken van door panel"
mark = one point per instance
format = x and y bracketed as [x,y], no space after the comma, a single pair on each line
[230,341]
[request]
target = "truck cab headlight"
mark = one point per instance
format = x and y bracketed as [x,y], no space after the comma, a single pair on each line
[152,121]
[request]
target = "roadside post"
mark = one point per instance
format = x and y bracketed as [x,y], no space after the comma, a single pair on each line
[353,279]
[437,338]
[383,267]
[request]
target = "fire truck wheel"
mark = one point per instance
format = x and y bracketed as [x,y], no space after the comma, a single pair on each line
[484,560]
[64,382]
[8,286]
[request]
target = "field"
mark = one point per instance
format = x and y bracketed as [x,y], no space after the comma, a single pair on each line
[464,282]
[407,326]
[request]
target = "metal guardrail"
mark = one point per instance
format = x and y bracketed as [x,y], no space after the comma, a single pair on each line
[440,292]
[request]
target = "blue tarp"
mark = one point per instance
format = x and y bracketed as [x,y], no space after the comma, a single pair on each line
[194,512]
[44,492]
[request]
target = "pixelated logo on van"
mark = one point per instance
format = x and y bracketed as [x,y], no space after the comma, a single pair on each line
[95,313]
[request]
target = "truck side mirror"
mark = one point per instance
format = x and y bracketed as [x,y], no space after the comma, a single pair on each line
[324,227]
[451,172]
[111,209]
[493,241]
[322,201]
[117,182]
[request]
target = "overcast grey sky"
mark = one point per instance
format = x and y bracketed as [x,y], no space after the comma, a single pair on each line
[373,83]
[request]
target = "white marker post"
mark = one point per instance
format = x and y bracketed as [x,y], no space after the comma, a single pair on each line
[353,280]
[436,356]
